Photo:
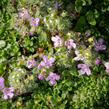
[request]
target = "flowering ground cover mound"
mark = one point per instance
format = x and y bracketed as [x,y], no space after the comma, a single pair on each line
[54,54]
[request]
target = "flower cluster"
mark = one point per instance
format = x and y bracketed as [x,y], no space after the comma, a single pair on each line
[78,56]
[21,19]
[52,77]
[31,63]
[57,41]
[99,45]
[7,92]
[84,68]
[70,44]
[47,43]
[34,21]
[47,62]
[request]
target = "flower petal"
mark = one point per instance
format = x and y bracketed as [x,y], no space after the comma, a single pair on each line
[5,97]
[52,82]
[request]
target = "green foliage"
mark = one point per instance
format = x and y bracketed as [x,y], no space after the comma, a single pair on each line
[90,18]
[89,94]
[81,24]
[69,20]
[22,81]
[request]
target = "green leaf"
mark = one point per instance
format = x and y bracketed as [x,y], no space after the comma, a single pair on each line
[78,5]
[89,1]
[81,24]
[43,36]
[52,101]
[62,106]
[64,94]
[91,18]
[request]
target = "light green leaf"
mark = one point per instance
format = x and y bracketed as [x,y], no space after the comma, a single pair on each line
[91,18]
[2,43]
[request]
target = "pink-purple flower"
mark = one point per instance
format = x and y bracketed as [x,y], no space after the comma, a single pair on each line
[106,64]
[84,68]
[31,63]
[97,61]
[79,57]
[47,62]
[57,41]
[99,45]
[70,44]
[8,93]
[53,77]
[34,21]
[40,76]
[2,83]
[41,55]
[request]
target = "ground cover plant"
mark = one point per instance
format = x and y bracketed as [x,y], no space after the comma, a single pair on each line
[54,54]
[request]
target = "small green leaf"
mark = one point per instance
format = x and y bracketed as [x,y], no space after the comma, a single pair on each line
[91,18]
[78,6]
[90,2]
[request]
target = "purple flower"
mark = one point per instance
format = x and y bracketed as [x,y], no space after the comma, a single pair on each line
[79,56]
[1,83]
[30,33]
[40,76]
[31,63]
[47,62]
[23,13]
[106,64]
[99,45]
[56,6]
[41,55]
[40,66]
[57,41]
[84,68]
[52,77]
[34,21]
[97,61]
[70,44]
[8,93]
